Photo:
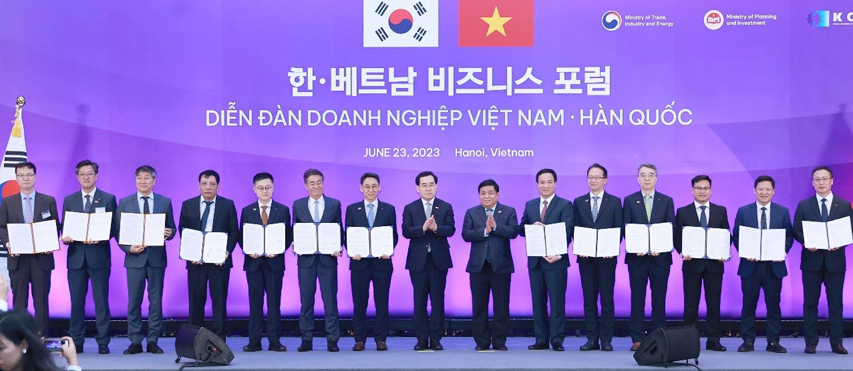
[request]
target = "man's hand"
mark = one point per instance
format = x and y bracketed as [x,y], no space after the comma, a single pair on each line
[687,257]
[812,249]
[433,226]
[752,259]
[385,257]
[69,351]
[270,256]
[539,223]
[167,232]
[255,256]
[197,263]
[136,249]
[833,249]
[337,253]
[67,240]
[654,253]
[357,257]
[553,258]
[227,254]
[641,254]
[4,287]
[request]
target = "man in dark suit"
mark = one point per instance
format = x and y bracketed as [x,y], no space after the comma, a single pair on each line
[318,208]
[370,213]
[762,275]
[265,274]
[647,206]
[825,267]
[145,264]
[696,270]
[427,223]
[89,260]
[598,210]
[29,270]
[210,212]
[549,274]
[489,227]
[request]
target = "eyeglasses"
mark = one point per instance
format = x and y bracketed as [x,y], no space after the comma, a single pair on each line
[595,177]
[25,176]
[86,175]
[700,189]
[821,180]
[264,189]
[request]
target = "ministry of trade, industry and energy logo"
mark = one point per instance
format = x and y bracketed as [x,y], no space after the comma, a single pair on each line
[400,23]
[826,18]
[611,20]
[819,18]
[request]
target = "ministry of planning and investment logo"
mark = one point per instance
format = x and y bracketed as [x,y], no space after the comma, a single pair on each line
[611,20]
[826,18]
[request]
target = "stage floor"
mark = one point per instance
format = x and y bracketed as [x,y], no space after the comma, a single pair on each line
[459,354]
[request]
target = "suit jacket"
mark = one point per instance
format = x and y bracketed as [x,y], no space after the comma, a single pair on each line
[331,214]
[386,215]
[609,215]
[559,210]
[224,220]
[277,213]
[779,219]
[153,255]
[11,211]
[634,211]
[96,256]
[473,231]
[687,217]
[809,210]
[413,222]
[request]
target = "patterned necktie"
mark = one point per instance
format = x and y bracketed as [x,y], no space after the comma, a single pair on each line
[544,209]
[88,207]
[824,213]
[489,212]
[205,215]
[145,208]
[428,210]
[28,209]
[264,217]
[370,215]
[648,207]
[594,208]
[703,220]
[316,211]
[763,217]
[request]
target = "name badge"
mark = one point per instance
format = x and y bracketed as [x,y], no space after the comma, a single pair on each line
[45,214]
[100,209]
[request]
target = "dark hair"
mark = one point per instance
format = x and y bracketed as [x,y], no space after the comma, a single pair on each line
[597,165]
[489,182]
[84,163]
[261,176]
[18,326]
[699,178]
[311,172]
[765,178]
[146,169]
[208,173]
[425,174]
[369,175]
[819,168]
[648,165]
[546,171]
[28,164]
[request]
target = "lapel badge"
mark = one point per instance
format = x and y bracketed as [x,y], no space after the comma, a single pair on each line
[638,201]
[359,208]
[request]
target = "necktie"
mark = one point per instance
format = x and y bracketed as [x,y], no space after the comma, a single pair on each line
[205,215]
[428,210]
[88,207]
[264,217]
[763,217]
[489,212]
[370,215]
[594,209]
[316,211]
[28,209]
[703,220]
[145,209]
[648,207]
[824,213]
[544,209]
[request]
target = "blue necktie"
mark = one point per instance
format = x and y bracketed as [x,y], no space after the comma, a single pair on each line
[594,209]
[316,212]
[824,213]
[88,207]
[489,213]
[370,215]
[28,209]
[763,217]
[205,214]
[703,220]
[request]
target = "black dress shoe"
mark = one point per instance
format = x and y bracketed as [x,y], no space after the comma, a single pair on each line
[500,347]
[606,347]
[134,348]
[538,346]
[589,346]
[78,348]
[421,345]
[253,347]
[358,347]
[479,348]
[305,346]
[811,349]
[277,348]
[776,348]
[436,345]
[715,346]
[381,346]
[332,346]
[558,347]
[154,348]
[103,349]
[746,347]
[839,349]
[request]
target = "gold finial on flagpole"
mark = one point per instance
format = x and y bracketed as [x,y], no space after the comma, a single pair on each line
[19,106]
[21,101]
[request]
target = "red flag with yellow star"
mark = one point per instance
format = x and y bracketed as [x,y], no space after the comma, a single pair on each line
[495,22]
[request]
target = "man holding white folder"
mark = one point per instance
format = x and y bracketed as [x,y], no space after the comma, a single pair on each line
[822,266]
[760,274]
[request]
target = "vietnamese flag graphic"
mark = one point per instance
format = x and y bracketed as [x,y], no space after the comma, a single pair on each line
[495,22]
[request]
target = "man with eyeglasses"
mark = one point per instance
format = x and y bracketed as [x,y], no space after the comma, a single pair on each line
[822,267]
[89,260]
[29,270]
[697,270]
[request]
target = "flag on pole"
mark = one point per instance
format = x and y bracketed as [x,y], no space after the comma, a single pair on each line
[16,152]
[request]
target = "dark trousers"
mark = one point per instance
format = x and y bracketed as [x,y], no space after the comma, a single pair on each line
[656,276]
[360,281]
[136,278]
[216,278]
[834,283]
[30,274]
[328,277]
[264,281]
[597,280]
[429,284]
[78,286]
[693,290]
[483,283]
[549,285]
[761,278]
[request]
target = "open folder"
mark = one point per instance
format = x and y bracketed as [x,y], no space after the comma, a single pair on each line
[310,238]
[33,238]
[597,243]
[370,242]
[761,244]
[142,229]
[546,240]
[264,240]
[205,247]
[699,243]
[648,238]
[825,236]
[87,227]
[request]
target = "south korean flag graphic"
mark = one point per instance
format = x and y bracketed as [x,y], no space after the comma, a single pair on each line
[400,23]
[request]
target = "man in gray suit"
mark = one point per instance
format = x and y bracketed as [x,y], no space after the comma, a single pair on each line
[145,263]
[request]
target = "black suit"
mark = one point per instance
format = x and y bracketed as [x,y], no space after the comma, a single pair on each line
[598,275]
[371,269]
[318,267]
[765,275]
[822,267]
[89,262]
[200,277]
[647,269]
[428,261]
[548,281]
[29,270]
[698,270]
[265,275]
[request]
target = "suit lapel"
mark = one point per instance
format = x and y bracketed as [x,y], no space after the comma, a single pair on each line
[835,208]
[274,210]
[753,216]
[361,215]
[96,200]
[327,210]
[550,209]
[586,208]
[40,207]
[693,216]
[78,205]
[816,207]
[657,206]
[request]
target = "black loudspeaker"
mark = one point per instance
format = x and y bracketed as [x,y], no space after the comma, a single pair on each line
[666,345]
[201,345]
